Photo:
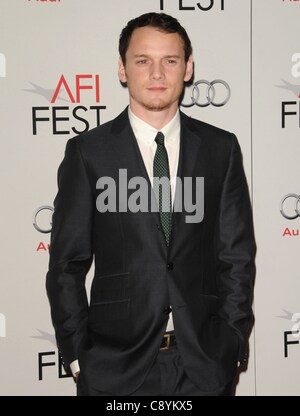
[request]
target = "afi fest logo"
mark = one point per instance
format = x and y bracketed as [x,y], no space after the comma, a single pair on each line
[202,5]
[2,326]
[291,108]
[68,119]
[291,337]
[2,66]
[48,358]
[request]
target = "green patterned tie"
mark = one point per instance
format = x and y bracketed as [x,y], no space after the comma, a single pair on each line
[161,186]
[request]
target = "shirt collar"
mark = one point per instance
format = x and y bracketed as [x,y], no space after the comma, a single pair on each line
[147,133]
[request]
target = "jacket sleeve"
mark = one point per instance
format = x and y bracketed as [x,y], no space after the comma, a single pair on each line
[236,251]
[71,253]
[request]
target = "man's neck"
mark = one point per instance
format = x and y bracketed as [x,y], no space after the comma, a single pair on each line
[156,119]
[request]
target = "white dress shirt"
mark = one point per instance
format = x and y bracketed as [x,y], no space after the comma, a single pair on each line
[145,135]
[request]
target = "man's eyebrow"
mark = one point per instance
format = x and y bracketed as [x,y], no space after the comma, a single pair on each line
[173,56]
[144,55]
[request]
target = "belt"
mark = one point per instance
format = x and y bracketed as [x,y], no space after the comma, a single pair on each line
[168,341]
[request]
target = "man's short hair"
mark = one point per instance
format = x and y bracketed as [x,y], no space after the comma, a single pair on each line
[162,22]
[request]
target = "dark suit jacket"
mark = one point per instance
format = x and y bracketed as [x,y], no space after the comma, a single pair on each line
[206,273]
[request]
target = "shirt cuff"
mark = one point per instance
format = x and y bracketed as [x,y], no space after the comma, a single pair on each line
[74,367]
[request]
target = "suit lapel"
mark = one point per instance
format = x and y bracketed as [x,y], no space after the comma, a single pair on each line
[189,156]
[126,148]
[129,157]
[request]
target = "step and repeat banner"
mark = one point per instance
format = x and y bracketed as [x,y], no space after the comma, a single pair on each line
[58,78]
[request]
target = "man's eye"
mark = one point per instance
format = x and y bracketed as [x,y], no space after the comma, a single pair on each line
[142,61]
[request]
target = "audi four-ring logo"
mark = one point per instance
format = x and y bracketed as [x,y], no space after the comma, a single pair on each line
[213,94]
[296,207]
[35,219]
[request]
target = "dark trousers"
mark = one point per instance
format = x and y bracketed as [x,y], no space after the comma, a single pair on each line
[166,378]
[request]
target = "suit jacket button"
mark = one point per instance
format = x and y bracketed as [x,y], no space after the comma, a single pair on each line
[170,266]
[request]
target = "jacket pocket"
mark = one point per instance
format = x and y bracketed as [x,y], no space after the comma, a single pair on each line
[110,297]
[109,311]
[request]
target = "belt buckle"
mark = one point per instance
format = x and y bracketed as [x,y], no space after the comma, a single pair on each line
[168,338]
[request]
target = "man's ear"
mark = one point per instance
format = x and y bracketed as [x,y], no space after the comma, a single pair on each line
[189,69]
[121,71]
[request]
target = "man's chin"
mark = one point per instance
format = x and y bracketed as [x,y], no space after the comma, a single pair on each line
[157,106]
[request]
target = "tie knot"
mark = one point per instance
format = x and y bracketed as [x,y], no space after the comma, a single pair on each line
[160,138]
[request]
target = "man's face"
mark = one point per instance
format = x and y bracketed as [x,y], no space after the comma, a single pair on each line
[155,69]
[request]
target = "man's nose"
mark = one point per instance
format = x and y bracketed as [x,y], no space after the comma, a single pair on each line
[157,70]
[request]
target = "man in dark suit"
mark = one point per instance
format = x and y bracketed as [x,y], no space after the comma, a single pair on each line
[170,304]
